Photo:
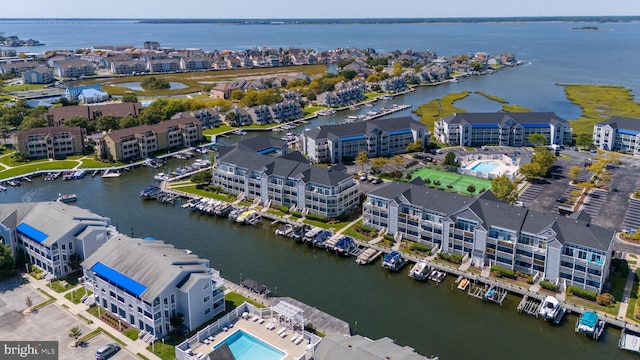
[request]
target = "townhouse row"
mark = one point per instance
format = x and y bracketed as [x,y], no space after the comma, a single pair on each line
[566,251]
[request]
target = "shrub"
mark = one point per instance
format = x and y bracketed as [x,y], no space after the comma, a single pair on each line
[437,182]
[583,293]
[296,213]
[388,237]
[316,217]
[471,189]
[605,299]
[283,208]
[500,272]
[427,181]
[452,258]
[636,311]
[421,247]
[411,163]
[549,286]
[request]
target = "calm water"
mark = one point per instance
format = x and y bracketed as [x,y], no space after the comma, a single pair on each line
[433,320]
[133,85]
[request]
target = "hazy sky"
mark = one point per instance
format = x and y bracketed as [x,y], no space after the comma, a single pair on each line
[313,9]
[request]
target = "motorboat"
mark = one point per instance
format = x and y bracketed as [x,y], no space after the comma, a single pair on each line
[420,270]
[463,284]
[550,308]
[160,177]
[589,324]
[67,198]
[393,261]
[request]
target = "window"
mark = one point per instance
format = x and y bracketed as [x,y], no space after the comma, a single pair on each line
[173,298]
[205,286]
[206,298]
[207,311]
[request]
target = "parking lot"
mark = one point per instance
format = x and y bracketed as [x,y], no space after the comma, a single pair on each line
[51,323]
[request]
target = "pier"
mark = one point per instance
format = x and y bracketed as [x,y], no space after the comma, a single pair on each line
[529,306]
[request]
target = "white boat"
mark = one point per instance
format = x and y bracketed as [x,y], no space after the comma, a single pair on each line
[67,198]
[326,112]
[589,324]
[550,308]
[239,132]
[244,216]
[286,230]
[420,270]
[110,174]
[161,176]
[393,261]
[368,256]
[629,341]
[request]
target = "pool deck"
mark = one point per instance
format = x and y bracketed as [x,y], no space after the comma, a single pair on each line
[261,332]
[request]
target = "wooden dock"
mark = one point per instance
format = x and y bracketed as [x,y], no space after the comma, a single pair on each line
[529,306]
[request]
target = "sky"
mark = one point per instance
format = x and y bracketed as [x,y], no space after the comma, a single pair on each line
[260,9]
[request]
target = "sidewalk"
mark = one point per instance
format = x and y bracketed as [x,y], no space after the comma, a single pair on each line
[624,304]
[134,347]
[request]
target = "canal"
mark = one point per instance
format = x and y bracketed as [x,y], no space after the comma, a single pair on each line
[432,319]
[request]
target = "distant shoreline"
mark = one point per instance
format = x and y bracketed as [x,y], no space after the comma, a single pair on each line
[336,21]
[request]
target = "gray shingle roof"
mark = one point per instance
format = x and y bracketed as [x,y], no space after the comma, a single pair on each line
[338,347]
[149,262]
[363,127]
[500,117]
[283,167]
[618,122]
[437,200]
[260,143]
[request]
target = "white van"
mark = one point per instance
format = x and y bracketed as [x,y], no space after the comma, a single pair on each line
[106,351]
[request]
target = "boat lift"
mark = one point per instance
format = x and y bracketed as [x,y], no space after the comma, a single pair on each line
[529,306]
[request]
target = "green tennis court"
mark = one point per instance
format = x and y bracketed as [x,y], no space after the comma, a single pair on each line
[459,182]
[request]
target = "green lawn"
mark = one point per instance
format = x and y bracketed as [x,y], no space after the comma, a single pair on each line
[612,310]
[218,130]
[192,189]
[22,87]
[59,287]
[47,165]
[459,182]
[233,300]
[338,225]
[77,294]
[163,351]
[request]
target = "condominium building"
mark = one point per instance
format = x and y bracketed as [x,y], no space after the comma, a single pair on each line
[50,142]
[567,251]
[618,133]
[146,140]
[382,137]
[346,93]
[57,115]
[504,129]
[146,282]
[73,68]
[54,236]
[126,67]
[39,75]
[209,117]
[286,181]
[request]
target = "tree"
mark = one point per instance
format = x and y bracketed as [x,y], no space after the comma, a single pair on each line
[378,68]
[415,146]
[6,257]
[74,261]
[75,333]
[584,140]
[450,159]
[471,189]
[574,173]
[202,178]
[129,97]
[545,158]
[231,117]
[373,78]
[504,189]
[532,171]
[176,321]
[29,302]
[537,140]
[348,74]
[152,83]
[128,121]
[32,123]
[383,76]
[361,159]
[378,163]
[397,69]
[77,121]
[5,131]
[106,123]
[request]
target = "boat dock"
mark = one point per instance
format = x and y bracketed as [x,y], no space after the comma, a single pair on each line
[529,306]
[368,256]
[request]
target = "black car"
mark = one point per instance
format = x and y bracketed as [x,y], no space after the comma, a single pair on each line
[562,200]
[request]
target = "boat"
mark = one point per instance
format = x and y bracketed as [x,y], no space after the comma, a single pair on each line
[239,132]
[160,176]
[244,216]
[67,198]
[393,261]
[320,239]
[629,341]
[311,234]
[288,137]
[223,209]
[420,270]
[79,174]
[368,256]
[385,97]
[110,174]
[326,112]
[550,309]
[589,324]
[253,219]
[437,276]
[463,284]
[149,192]
[345,245]
[233,215]
[285,230]
[68,175]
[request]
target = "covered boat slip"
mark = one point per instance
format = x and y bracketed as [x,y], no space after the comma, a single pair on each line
[256,287]
[589,324]
[629,341]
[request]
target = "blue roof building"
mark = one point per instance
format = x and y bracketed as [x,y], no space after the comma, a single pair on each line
[618,133]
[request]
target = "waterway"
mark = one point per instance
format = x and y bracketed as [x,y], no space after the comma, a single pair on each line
[376,303]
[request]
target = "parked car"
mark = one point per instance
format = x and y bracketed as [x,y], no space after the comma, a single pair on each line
[107,351]
[629,230]
[376,180]
[562,200]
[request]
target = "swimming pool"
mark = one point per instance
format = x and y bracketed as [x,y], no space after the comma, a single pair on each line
[244,346]
[485,166]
